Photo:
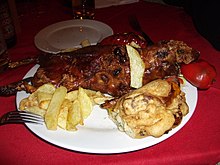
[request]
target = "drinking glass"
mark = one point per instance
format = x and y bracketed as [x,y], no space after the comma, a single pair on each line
[83,9]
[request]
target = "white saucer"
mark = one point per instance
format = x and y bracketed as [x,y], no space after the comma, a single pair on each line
[69,34]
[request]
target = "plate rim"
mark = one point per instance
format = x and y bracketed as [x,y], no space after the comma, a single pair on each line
[119,150]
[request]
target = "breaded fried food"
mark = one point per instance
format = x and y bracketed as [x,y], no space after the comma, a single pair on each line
[151,110]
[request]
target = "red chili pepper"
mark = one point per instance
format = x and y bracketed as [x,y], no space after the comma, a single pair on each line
[199,73]
[123,39]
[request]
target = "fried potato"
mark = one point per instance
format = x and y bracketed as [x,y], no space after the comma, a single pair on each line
[137,67]
[37,110]
[68,50]
[92,95]
[74,116]
[33,97]
[72,95]
[38,101]
[64,110]
[43,96]
[85,43]
[46,88]
[26,102]
[89,92]
[135,45]
[100,98]
[22,104]
[52,113]
[44,104]
[62,118]
[97,97]
[85,103]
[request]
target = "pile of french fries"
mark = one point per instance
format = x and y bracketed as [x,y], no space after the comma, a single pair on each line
[60,108]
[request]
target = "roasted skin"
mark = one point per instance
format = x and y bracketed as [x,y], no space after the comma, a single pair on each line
[125,38]
[105,68]
[151,110]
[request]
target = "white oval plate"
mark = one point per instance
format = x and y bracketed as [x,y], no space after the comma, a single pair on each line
[99,134]
[69,34]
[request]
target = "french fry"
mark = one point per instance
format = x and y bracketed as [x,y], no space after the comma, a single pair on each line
[72,95]
[68,50]
[133,44]
[89,92]
[96,96]
[44,104]
[43,93]
[43,96]
[32,104]
[25,103]
[64,110]
[32,96]
[62,118]
[74,116]
[52,113]
[85,43]
[46,88]
[100,98]
[137,67]
[37,110]
[85,103]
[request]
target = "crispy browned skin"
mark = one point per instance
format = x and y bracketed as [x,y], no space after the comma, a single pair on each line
[106,68]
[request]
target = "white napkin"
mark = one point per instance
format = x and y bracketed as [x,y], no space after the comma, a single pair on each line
[107,3]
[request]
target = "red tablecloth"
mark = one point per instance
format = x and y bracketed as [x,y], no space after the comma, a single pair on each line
[198,142]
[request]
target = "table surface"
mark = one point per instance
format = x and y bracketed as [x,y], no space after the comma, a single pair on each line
[198,142]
